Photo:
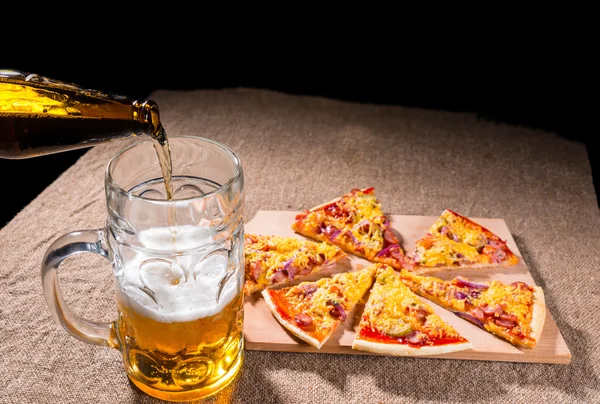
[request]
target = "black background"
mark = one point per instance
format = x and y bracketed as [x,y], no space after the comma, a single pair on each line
[529,87]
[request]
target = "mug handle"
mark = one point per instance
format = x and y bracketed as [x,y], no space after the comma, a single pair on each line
[73,243]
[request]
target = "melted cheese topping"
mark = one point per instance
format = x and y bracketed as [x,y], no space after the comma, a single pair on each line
[273,253]
[318,299]
[515,299]
[394,310]
[358,213]
[437,251]
[465,231]
[455,240]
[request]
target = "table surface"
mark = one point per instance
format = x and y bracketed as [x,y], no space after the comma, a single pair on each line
[297,152]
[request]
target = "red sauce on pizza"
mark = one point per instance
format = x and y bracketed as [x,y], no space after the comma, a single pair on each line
[280,305]
[373,335]
[288,314]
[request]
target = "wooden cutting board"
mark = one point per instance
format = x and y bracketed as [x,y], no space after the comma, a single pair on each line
[264,333]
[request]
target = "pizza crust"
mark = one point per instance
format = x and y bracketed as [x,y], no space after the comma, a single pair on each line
[251,287]
[407,350]
[539,313]
[294,329]
[419,270]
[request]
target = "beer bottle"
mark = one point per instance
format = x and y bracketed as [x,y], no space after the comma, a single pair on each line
[40,116]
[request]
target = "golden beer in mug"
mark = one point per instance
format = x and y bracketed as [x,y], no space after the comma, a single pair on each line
[177,268]
[198,355]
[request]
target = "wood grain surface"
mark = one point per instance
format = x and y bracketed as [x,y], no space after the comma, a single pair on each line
[264,333]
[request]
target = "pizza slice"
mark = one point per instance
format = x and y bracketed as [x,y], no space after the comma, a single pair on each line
[313,310]
[514,312]
[278,260]
[456,241]
[397,322]
[355,223]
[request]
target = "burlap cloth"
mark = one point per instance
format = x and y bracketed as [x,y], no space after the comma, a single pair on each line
[297,152]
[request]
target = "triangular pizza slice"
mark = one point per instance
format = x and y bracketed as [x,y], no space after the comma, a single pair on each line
[395,321]
[515,312]
[273,261]
[355,223]
[455,241]
[313,310]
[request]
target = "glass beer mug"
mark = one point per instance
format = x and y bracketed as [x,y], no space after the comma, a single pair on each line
[177,267]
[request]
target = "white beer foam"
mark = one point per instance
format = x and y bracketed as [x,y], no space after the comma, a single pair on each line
[178,238]
[180,288]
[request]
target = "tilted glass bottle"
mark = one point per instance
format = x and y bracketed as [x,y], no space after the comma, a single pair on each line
[40,116]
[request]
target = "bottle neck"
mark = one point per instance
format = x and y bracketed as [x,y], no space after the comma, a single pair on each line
[146,112]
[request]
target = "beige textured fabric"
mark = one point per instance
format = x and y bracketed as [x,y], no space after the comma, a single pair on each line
[297,152]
